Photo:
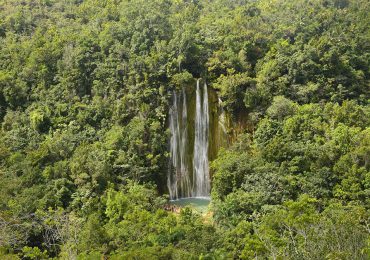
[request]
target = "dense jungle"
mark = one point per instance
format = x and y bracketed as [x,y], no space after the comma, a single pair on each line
[110,110]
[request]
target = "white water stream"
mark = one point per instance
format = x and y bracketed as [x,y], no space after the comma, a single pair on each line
[184,181]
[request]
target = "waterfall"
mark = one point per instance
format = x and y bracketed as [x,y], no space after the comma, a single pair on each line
[201,179]
[184,181]
[185,184]
[178,179]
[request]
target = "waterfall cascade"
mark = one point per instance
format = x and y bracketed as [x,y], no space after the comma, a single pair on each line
[200,160]
[186,177]
[178,179]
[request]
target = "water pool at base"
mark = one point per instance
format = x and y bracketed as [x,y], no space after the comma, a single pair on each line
[198,204]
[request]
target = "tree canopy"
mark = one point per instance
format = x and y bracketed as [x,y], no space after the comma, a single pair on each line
[85,90]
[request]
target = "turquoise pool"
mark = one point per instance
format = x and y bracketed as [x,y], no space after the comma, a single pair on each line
[198,204]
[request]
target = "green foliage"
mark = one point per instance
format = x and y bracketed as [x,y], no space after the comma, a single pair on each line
[230,87]
[298,231]
[301,167]
[33,253]
[84,95]
[280,108]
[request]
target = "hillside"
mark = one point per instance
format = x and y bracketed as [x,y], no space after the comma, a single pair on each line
[110,108]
